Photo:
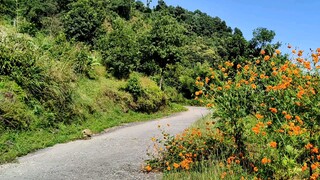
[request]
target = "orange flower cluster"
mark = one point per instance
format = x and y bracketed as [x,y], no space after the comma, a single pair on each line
[314,176]
[265,160]
[231,159]
[257,128]
[308,146]
[229,64]
[198,93]
[295,130]
[298,119]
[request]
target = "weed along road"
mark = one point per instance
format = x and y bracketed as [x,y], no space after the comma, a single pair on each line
[116,154]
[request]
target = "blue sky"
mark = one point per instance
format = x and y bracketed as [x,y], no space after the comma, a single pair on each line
[295,21]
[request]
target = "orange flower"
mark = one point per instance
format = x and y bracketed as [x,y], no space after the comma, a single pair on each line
[262,52]
[253,86]
[255,169]
[168,168]
[288,117]
[207,80]
[315,150]
[307,65]
[308,146]
[148,168]
[273,110]
[246,67]
[314,166]
[223,175]
[269,123]
[175,165]
[314,176]
[238,66]
[304,167]
[265,160]
[256,130]
[273,144]
[259,116]
[278,51]
[267,57]
[294,51]
[209,105]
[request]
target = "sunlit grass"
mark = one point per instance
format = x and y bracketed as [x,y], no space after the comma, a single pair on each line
[98,112]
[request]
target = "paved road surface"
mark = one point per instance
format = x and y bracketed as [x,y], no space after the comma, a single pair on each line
[117,154]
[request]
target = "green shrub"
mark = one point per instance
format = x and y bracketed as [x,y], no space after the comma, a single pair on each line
[152,98]
[120,49]
[46,82]
[14,113]
[173,95]
[27,27]
[147,96]
[134,87]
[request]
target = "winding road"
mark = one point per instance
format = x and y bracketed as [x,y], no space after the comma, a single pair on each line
[117,154]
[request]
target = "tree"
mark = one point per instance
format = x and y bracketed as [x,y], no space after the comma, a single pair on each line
[35,10]
[205,25]
[161,5]
[166,38]
[262,36]
[83,20]
[120,49]
[236,45]
[123,8]
[8,8]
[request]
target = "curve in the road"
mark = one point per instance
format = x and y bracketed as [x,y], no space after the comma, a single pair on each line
[118,154]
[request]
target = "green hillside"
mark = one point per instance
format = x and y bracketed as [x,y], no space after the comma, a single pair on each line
[70,65]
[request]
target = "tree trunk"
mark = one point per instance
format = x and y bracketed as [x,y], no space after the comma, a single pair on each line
[161,79]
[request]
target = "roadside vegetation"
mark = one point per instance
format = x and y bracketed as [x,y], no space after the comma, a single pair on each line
[266,122]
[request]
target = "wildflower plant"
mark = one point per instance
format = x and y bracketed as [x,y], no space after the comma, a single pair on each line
[270,108]
[267,118]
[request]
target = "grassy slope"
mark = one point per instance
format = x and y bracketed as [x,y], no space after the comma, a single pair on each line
[100,111]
